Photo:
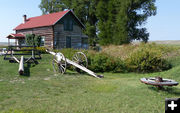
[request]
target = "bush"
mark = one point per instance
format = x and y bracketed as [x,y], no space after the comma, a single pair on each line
[42,50]
[147,60]
[101,62]
[33,40]
[137,58]
[97,61]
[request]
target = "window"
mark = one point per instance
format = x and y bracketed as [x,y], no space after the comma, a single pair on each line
[65,25]
[42,40]
[68,25]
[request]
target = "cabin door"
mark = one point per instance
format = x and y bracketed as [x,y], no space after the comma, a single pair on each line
[68,42]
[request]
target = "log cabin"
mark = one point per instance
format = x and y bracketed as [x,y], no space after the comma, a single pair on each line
[58,30]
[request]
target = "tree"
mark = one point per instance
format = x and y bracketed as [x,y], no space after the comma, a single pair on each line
[33,40]
[123,20]
[50,6]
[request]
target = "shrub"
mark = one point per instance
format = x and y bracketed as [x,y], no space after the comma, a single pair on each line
[101,62]
[147,60]
[97,61]
[42,50]
[33,40]
[136,58]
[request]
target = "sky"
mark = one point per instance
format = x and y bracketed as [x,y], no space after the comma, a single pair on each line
[164,26]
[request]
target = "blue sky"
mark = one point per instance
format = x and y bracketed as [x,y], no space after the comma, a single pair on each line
[164,26]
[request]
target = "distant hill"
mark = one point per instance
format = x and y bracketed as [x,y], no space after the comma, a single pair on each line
[170,42]
[3,43]
[173,42]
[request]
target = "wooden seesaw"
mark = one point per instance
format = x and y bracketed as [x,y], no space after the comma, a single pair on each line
[14,51]
[79,61]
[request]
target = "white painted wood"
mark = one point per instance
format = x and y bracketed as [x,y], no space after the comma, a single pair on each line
[59,58]
[21,66]
[15,59]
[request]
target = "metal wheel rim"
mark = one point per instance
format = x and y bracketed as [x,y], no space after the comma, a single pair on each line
[59,66]
[166,82]
[81,59]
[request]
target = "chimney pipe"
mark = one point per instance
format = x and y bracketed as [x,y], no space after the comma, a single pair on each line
[25,18]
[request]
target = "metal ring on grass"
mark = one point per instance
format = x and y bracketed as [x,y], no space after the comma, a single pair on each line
[157,81]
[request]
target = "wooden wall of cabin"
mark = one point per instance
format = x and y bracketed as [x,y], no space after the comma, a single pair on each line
[46,32]
[60,34]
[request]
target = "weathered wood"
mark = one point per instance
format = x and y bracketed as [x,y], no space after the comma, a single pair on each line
[55,36]
[46,31]
[60,36]
[20,46]
[21,66]
[15,59]
[23,54]
[12,59]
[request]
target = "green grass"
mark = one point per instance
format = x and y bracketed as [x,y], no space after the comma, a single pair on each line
[43,91]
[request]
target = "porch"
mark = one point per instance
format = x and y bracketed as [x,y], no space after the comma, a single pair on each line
[19,39]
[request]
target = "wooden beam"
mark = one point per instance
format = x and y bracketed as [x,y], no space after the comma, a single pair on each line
[59,58]
[21,66]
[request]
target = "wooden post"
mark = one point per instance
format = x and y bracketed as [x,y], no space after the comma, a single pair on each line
[33,53]
[8,42]
[21,66]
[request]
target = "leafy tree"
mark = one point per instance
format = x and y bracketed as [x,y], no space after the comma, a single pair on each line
[33,40]
[106,14]
[124,20]
[50,6]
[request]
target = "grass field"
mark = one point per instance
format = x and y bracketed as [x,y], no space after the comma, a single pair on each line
[42,91]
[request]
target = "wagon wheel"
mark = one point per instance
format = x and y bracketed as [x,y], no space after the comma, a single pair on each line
[159,82]
[59,65]
[81,59]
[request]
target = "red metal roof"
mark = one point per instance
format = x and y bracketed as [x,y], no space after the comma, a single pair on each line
[15,36]
[40,21]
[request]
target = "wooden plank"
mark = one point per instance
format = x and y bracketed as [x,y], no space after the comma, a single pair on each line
[74,64]
[15,59]
[21,66]
[23,54]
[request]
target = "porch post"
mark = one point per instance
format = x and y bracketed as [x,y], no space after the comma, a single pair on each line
[8,42]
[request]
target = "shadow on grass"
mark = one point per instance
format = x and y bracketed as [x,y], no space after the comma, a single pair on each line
[170,90]
[27,68]
[72,74]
